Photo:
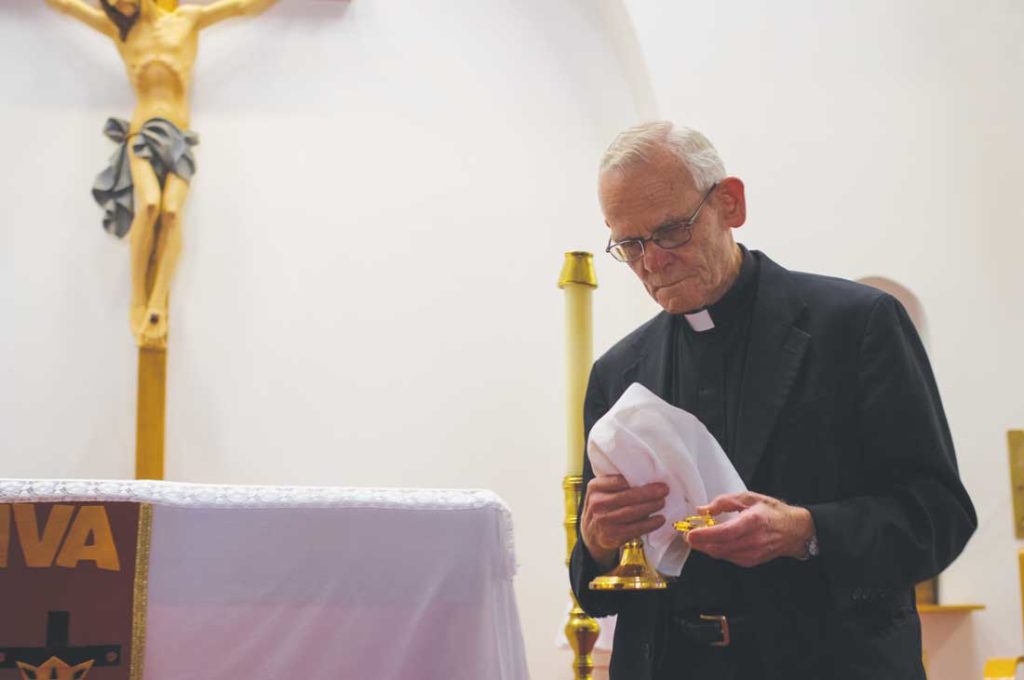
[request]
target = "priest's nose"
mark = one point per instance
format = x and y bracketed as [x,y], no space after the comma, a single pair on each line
[655,258]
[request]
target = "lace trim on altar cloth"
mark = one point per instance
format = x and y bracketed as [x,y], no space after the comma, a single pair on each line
[182,494]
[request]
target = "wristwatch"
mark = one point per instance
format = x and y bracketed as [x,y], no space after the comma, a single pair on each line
[811,547]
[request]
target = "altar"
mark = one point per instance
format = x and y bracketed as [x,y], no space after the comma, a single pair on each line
[143,579]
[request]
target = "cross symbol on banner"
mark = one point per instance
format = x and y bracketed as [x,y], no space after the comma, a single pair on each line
[58,625]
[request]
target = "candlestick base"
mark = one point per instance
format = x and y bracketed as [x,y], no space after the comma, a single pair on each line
[582,632]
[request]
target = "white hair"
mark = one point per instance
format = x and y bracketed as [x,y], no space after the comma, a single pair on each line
[637,145]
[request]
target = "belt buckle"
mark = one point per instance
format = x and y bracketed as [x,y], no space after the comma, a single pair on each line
[723,622]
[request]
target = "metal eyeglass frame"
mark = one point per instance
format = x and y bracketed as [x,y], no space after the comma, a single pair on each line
[658,236]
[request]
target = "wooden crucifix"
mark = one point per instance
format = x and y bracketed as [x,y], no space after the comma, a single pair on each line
[143,190]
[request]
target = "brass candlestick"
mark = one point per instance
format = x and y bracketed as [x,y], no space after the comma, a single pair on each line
[578,281]
[581,630]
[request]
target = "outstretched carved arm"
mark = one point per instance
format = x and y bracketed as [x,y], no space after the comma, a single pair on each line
[227,9]
[87,14]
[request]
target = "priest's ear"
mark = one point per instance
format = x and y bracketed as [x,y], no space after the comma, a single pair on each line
[732,202]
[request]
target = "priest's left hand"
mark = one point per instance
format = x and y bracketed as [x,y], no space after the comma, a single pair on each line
[764,529]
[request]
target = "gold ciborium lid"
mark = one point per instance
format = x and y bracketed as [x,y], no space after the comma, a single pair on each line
[633,572]
[694,522]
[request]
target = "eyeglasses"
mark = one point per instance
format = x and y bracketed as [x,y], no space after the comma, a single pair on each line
[674,235]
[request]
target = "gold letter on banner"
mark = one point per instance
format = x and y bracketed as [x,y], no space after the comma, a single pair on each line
[37,548]
[5,533]
[91,521]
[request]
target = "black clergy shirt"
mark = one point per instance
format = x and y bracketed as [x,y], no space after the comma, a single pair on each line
[707,375]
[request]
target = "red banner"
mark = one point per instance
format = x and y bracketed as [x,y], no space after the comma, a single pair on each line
[68,604]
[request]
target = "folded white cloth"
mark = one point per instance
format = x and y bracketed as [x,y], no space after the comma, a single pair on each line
[645,439]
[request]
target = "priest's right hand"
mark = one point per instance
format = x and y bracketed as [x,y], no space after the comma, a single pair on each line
[614,512]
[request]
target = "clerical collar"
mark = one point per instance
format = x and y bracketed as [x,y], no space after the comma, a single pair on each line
[725,311]
[700,321]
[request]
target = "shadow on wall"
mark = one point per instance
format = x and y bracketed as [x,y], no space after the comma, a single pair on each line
[909,301]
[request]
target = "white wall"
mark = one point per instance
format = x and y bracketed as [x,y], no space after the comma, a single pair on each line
[875,139]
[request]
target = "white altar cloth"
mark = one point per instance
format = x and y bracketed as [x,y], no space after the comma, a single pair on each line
[265,583]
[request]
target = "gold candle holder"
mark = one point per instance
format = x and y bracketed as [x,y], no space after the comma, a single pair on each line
[581,630]
[578,280]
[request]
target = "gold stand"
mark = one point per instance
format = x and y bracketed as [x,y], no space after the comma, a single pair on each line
[149,413]
[578,280]
[581,630]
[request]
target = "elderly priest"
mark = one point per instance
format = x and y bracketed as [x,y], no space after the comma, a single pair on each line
[821,395]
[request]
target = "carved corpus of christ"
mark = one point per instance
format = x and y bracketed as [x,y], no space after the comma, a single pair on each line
[144,189]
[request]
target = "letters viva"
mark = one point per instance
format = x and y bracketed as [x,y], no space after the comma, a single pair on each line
[64,539]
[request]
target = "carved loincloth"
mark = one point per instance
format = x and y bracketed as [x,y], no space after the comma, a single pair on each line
[159,141]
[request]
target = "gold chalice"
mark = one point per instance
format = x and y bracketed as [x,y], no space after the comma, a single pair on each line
[634,572]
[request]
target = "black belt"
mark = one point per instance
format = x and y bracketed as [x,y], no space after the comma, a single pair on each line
[716,630]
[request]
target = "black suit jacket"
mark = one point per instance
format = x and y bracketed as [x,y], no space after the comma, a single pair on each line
[839,412]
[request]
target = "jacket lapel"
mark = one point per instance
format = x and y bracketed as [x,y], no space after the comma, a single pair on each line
[774,354]
[652,368]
